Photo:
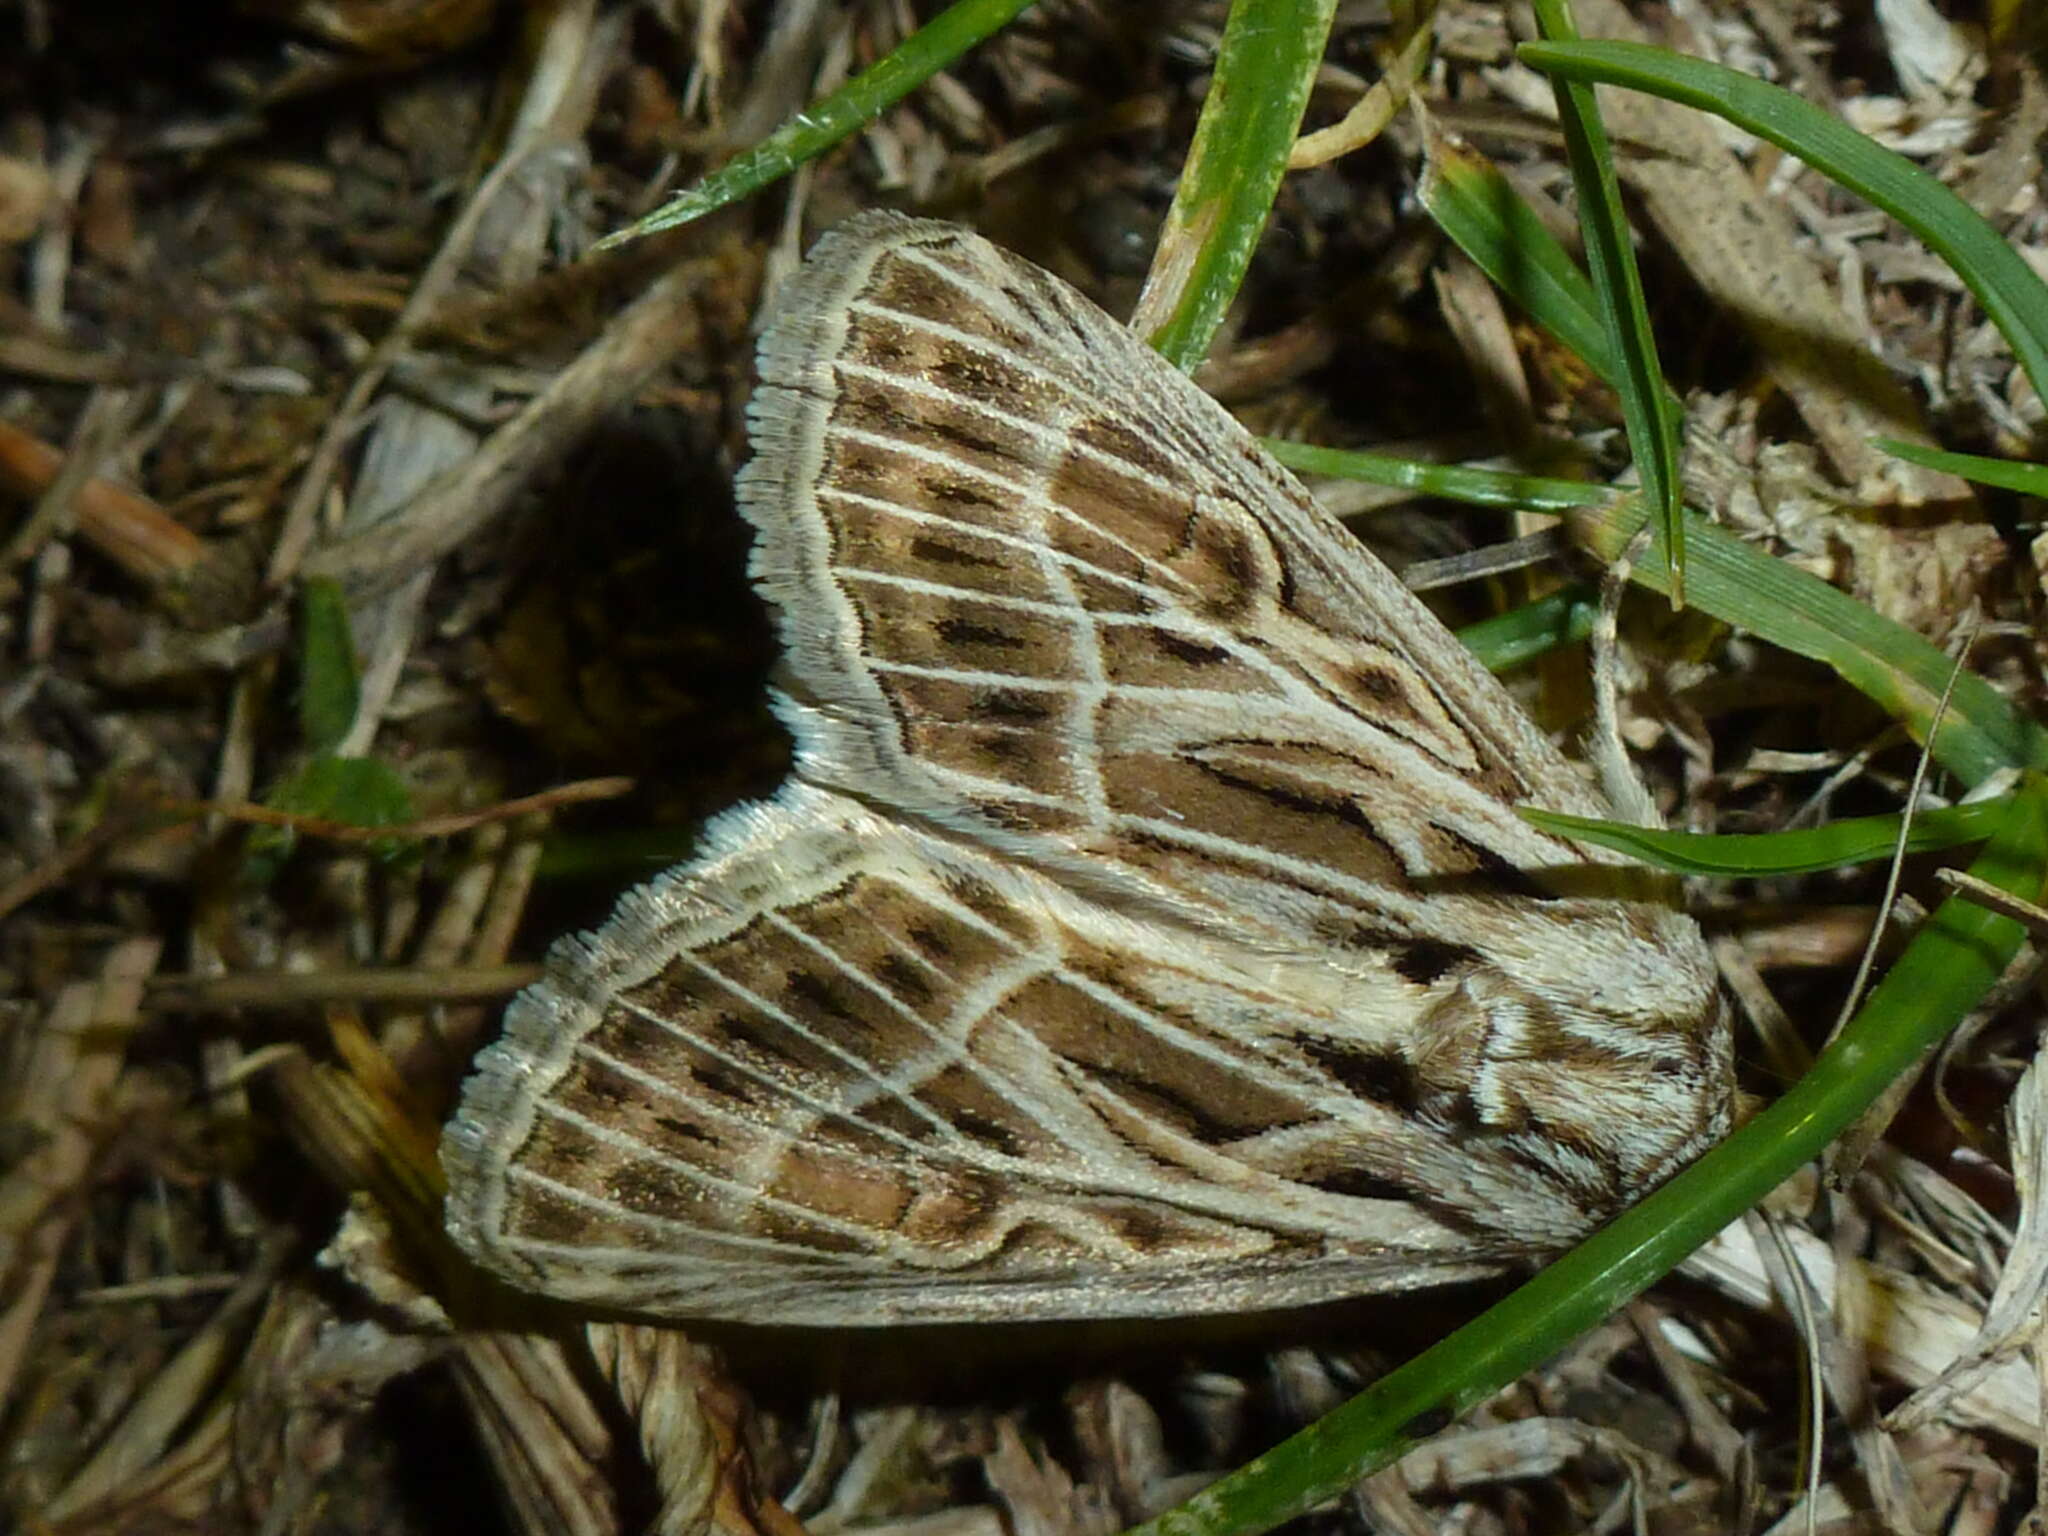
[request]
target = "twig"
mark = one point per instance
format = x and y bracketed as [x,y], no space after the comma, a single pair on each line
[365,984]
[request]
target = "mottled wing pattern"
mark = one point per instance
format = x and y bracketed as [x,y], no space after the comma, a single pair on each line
[1269,996]
[1039,588]
[843,1071]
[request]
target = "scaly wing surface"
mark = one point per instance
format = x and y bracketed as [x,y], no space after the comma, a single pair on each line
[839,1072]
[1148,926]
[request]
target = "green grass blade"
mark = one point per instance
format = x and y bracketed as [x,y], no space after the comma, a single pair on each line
[329,679]
[1625,314]
[356,791]
[2014,298]
[1494,225]
[830,119]
[2006,474]
[1981,733]
[1454,482]
[1265,66]
[1534,629]
[1857,840]
[1489,221]
[1952,962]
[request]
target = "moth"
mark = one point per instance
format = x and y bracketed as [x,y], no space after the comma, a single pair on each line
[1147,927]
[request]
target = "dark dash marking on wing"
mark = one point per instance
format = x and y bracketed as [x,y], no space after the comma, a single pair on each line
[1497,870]
[1423,961]
[967,632]
[1117,441]
[1344,807]
[988,1132]
[1180,648]
[908,981]
[1360,1184]
[1009,707]
[1149,1093]
[962,437]
[683,1131]
[1028,306]
[1145,1230]
[929,941]
[1377,684]
[814,991]
[1381,1077]
[930,551]
[750,1038]
[956,493]
[721,1082]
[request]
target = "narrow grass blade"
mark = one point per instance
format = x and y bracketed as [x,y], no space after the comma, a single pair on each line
[1492,223]
[1489,221]
[1857,840]
[830,119]
[2014,298]
[2006,474]
[1981,732]
[1268,59]
[1534,629]
[1453,482]
[1952,962]
[1625,314]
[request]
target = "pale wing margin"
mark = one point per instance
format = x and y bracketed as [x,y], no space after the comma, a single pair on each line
[834,1073]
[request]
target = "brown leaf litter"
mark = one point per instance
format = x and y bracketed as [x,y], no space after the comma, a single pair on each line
[295,291]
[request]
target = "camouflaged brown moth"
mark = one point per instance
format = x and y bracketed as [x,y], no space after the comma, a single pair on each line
[1147,927]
